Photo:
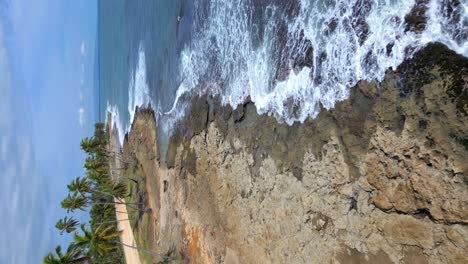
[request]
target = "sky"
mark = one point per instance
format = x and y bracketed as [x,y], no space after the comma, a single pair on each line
[46,88]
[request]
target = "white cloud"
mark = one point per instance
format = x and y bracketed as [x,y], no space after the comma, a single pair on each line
[21,191]
[82,81]
[82,117]
[83,49]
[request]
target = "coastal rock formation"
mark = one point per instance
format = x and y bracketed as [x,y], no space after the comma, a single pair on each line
[381,178]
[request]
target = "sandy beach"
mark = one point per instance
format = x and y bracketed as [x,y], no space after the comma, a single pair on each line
[131,255]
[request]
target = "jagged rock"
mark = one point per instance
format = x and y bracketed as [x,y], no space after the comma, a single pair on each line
[406,230]
[365,182]
[416,20]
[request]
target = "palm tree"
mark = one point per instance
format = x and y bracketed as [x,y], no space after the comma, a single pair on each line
[95,164]
[100,191]
[80,202]
[110,210]
[99,177]
[89,145]
[80,185]
[104,239]
[100,241]
[106,176]
[67,225]
[74,255]
[118,190]
[71,203]
[99,133]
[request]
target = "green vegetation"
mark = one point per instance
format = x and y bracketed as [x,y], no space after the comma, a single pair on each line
[97,241]
[141,223]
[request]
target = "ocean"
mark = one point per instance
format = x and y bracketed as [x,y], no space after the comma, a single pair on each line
[138,56]
[290,57]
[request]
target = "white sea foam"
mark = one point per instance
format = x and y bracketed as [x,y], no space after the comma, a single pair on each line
[138,96]
[138,90]
[223,59]
[231,56]
[116,121]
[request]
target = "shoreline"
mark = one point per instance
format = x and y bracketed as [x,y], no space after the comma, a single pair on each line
[380,177]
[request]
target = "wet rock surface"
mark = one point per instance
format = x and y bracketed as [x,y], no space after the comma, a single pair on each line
[381,178]
[416,20]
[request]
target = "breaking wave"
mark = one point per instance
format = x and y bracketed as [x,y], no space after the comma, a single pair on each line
[292,57]
[138,96]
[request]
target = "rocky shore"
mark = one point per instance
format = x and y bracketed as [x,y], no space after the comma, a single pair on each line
[381,178]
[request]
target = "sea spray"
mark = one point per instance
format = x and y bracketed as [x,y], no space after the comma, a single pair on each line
[115,121]
[138,90]
[138,94]
[291,58]
[240,52]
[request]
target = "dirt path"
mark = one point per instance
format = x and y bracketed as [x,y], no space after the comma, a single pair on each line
[131,255]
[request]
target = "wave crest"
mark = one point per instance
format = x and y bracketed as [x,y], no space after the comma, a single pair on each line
[292,62]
